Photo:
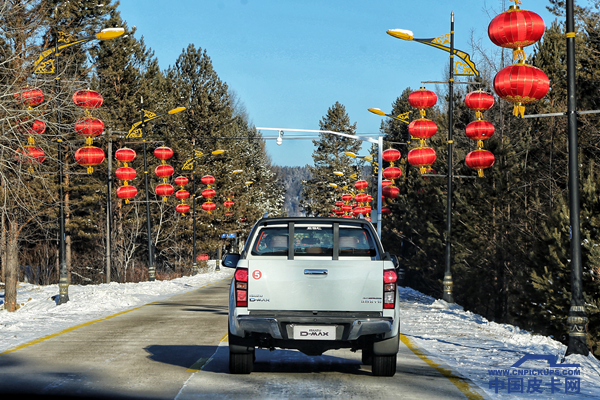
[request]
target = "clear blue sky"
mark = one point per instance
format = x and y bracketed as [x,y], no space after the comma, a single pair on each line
[290,60]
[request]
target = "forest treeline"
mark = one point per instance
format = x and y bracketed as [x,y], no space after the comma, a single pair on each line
[126,73]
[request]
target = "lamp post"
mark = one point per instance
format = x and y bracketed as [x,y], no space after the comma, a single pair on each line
[464,68]
[577,318]
[138,129]
[378,142]
[190,164]
[47,63]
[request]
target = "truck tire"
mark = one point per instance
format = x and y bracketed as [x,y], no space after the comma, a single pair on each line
[384,365]
[241,354]
[241,363]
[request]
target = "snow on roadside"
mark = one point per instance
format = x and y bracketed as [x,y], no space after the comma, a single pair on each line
[471,346]
[40,316]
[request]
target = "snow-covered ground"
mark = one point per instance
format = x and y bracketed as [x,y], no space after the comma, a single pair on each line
[459,342]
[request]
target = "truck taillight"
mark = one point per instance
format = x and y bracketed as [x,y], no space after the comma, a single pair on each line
[389,288]
[241,287]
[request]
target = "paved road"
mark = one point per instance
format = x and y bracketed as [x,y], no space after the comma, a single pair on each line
[177,349]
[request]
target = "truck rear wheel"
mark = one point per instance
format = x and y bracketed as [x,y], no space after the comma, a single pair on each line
[384,365]
[241,363]
[241,354]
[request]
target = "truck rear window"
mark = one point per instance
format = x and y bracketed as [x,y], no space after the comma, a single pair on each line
[314,241]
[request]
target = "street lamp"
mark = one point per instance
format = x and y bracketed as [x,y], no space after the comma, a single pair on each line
[465,68]
[47,63]
[378,142]
[138,129]
[191,164]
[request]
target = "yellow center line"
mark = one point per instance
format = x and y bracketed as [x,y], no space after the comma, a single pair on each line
[461,383]
[36,341]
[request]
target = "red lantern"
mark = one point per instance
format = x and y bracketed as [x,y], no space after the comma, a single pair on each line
[228,203]
[521,84]
[208,180]
[338,211]
[125,154]
[346,208]
[164,171]
[359,210]
[422,99]
[125,173]
[182,208]
[208,206]
[182,194]
[385,183]
[390,155]
[208,193]
[392,173]
[479,101]
[89,127]
[339,203]
[126,192]
[367,209]
[87,99]
[361,197]
[347,216]
[163,153]
[36,127]
[515,29]
[480,160]
[386,210]
[181,181]
[480,130]
[361,185]
[30,97]
[164,190]
[391,192]
[347,197]
[89,156]
[422,129]
[30,154]
[421,157]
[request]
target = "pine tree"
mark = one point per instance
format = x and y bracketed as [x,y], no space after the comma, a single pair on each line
[318,197]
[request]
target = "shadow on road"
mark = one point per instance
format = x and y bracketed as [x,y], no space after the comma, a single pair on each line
[181,356]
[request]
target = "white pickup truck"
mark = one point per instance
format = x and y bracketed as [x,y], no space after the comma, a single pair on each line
[313,284]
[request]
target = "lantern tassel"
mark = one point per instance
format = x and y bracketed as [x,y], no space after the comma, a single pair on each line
[519,54]
[422,112]
[90,170]
[519,109]
[479,115]
[423,170]
[480,173]
[480,144]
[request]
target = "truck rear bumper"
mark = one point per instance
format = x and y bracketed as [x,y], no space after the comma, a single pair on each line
[280,328]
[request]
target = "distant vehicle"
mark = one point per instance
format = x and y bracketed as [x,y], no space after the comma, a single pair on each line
[313,284]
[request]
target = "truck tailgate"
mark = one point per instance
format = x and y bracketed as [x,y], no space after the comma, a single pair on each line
[302,285]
